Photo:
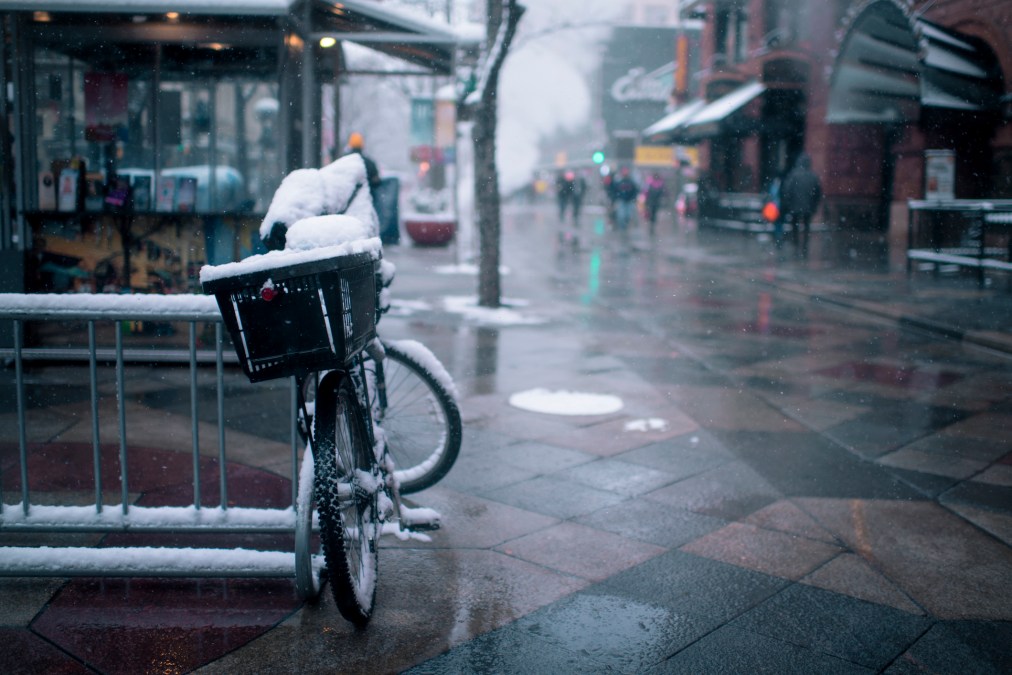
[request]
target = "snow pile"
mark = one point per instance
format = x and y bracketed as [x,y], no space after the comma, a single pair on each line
[299,196]
[322,231]
[466,268]
[113,305]
[486,316]
[648,424]
[305,193]
[565,402]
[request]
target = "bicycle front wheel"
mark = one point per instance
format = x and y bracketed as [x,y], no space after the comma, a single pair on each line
[421,420]
[347,496]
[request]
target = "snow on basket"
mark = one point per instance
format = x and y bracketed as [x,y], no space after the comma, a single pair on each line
[565,402]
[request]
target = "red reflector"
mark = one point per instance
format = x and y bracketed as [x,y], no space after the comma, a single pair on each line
[268,293]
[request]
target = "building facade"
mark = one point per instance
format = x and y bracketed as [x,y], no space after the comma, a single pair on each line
[144,143]
[870,89]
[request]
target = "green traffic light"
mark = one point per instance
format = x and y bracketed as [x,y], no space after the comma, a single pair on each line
[598,157]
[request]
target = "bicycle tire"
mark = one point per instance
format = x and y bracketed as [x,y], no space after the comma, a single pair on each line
[346,497]
[421,421]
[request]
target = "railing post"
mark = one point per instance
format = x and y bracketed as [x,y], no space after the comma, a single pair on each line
[121,402]
[19,377]
[220,368]
[194,421]
[95,445]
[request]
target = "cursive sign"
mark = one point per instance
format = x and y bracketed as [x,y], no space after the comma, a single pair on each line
[634,86]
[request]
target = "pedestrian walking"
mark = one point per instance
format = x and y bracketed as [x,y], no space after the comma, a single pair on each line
[799,198]
[564,186]
[626,191]
[356,145]
[579,192]
[773,209]
[653,195]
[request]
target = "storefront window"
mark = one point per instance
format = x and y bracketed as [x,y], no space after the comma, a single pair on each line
[215,139]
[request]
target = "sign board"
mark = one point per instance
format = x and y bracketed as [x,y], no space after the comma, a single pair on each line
[655,155]
[939,174]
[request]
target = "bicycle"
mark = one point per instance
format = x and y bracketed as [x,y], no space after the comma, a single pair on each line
[413,400]
[311,314]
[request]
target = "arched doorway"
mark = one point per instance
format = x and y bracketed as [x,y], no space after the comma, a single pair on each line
[902,85]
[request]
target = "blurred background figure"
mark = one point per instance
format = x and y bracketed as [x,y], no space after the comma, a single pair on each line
[626,191]
[653,195]
[579,192]
[799,198]
[565,185]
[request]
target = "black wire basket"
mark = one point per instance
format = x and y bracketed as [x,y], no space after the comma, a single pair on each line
[299,318]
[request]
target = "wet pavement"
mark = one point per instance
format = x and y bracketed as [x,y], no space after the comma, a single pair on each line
[812,472]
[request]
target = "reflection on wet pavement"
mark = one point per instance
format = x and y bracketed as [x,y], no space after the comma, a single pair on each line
[830,492]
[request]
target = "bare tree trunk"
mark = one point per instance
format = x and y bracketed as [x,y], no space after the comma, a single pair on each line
[503,17]
[486,192]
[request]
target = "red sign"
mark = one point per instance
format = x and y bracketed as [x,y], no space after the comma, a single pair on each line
[105,107]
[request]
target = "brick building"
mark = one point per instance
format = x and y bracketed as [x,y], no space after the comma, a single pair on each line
[865,87]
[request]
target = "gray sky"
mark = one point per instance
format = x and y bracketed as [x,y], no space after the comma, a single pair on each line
[545,82]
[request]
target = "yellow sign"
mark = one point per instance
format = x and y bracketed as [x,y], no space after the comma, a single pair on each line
[655,155]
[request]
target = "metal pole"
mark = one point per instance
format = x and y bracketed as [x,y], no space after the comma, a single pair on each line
[121,402]
[19,378]
[95,446]
[193,415]
[220,368]
[295,440]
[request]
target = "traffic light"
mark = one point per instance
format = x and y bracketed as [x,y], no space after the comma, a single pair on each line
[598,157]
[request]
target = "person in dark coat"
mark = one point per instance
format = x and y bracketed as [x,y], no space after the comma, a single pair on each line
[653,195]
[626,192]
[356,144]
[579,191]
[564,186]
[799,198]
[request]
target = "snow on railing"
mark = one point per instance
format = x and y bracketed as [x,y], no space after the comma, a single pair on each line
[99,517]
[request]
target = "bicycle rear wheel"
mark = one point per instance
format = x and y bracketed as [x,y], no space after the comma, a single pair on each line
[421,420]
[347,495]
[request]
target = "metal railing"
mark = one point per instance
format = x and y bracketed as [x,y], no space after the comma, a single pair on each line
[27,516]
[960,232]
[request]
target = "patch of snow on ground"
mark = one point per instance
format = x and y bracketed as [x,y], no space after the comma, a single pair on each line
[565,402]
[408,307]
[502,316]
[648,424]
[466,268]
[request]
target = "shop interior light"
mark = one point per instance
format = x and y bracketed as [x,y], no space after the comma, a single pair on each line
[172,16]
[42,17]
[327,42]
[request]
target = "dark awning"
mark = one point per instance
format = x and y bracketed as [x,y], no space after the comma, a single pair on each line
[708,121]
[241,35]
[891,67]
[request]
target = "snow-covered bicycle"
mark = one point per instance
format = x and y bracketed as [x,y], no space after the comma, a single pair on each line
[379,418]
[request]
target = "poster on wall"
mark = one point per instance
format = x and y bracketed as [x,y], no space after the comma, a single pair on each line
[939,174]
[165,200]
[105,107]
[186,194]
[67,190]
